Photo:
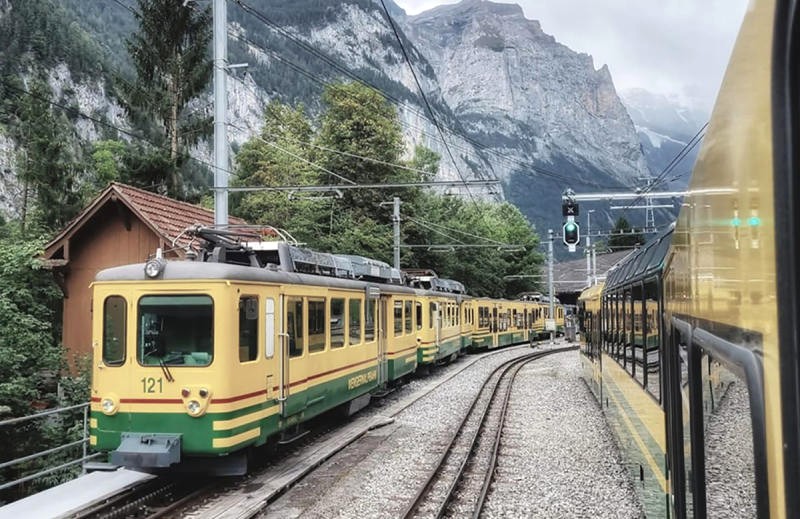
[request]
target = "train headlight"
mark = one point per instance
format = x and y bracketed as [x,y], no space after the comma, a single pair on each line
[109,406]
[194,407]
[154,268]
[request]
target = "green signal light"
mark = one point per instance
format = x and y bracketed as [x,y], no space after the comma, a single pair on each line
[736,222]
[754,221]
[569,227]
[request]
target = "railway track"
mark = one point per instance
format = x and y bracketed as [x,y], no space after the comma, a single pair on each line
[172,497]
[458,483]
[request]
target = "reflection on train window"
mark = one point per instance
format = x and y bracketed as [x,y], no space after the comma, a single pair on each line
[248,328]
[728,447]
[369,320]
[418,309]
[316,325]
[337,322]
[653,341]
[114,330]
[408,316]
[355,321]
[175,330]
[294,326]
[431,314]
[637,324]
[398,317]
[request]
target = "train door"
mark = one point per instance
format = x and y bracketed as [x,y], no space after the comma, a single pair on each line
[292,355]
[437,322]
[383,337]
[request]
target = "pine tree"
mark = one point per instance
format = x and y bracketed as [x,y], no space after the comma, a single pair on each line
[170,55]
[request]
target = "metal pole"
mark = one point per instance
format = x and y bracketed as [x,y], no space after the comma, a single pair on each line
[396,224]
[588,248]
[550,278]
[220,15]
[594,265]
[85,437]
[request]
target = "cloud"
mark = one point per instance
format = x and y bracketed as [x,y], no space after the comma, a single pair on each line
[674,47]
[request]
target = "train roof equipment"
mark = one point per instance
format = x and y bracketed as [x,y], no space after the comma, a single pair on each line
[275,249]
[428,280]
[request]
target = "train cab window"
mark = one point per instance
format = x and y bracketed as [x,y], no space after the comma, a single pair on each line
[398,318]
[269,327]
[294,326]
[248,328]
[418,312]
[337,322]
[316,325]
[408,316]
[354,321]
[369,320]
[114,330]
[175,330]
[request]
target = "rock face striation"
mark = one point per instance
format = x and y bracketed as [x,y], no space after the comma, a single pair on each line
[516,89]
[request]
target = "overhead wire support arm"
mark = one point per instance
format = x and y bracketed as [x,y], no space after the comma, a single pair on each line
[334,187]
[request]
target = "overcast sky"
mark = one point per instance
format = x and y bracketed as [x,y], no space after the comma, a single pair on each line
[674,47]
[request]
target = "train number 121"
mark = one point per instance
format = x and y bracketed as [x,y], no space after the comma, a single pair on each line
[149,385]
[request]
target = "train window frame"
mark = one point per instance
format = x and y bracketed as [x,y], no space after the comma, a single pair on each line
[397,318]
[359,339]
[408,317]
[291,328]
[370,320]
[418,313]
[342,318]
[747,365]
[249,352]
[269,327]
[317,317]
[140,334]
[123,343]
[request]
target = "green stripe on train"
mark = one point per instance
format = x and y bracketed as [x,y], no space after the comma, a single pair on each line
[197,434]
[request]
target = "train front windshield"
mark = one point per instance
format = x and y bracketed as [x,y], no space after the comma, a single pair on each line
[175,330]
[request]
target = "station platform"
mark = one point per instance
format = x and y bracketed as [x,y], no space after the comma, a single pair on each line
[70,497]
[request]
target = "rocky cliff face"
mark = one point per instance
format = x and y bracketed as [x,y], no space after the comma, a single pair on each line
[517,89]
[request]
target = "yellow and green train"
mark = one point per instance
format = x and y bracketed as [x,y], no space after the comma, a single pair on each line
[691,344]
[199,360]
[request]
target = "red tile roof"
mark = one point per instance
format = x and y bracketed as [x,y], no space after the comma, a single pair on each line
[168,216]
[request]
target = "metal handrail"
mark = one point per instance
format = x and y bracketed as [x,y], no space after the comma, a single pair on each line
[83,441]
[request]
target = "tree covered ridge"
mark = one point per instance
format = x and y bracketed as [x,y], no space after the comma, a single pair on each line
[357,139]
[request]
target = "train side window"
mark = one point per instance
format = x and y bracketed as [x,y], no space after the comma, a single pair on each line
[316,325]
[432,314]
[369,320]
[294,326]
[114,330]
[248,328]
[398,318]
[408,316]
[638,354]
[337,322]
[418,309]
[730,475]
[653,339]
[355,321]
[269,327]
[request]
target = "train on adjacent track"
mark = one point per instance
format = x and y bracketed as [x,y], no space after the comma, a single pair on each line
[691,345]
[198,361]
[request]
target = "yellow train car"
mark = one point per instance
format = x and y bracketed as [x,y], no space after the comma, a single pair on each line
[699,360]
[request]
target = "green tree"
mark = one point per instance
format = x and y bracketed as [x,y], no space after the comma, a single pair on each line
[170,55]
[623,236]
[48,169]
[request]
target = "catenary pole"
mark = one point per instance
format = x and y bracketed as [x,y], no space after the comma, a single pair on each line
[550,279]
[220,16]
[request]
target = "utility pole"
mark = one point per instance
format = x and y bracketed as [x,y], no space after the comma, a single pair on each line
[550,280]
[594,264]
[220,16]
[589,247]
[396,225]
